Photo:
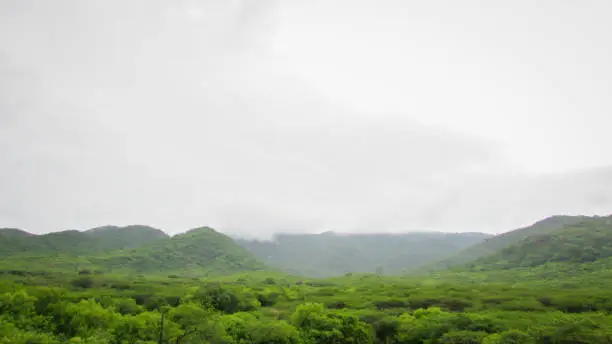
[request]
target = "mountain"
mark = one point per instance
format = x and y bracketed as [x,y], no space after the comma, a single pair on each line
[585,241]
[13,233]
[13,241]
[10,238]
[116,238]
[494,244]
[66,241]
[131,249]
[329,254]
[202,250]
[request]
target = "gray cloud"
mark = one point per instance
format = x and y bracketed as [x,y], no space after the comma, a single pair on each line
[175,114]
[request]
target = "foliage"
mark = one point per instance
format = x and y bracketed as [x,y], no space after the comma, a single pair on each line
[541,290]
[14,241]
[495,308]
[132,249]
[586,241]
[494,244]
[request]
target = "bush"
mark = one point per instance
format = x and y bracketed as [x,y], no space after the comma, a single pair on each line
[268,299]
[463,337]
[269,281]
[515,337]
[389,303]
[386,328]
[225,299]
[83,282]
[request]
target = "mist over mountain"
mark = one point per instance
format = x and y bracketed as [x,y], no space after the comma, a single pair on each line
[334,254]
[301,172]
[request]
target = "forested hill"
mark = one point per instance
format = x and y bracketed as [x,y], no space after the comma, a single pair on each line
[14,241]
[330,254]
[114,237]
[585,241]
[496,243]
[13,232]
[200,251]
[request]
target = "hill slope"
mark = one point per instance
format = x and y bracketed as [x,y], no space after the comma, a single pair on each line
[201,250]
[13,233]
[117,238]
[330,254]
[586,241]
[494,244]
[14,241]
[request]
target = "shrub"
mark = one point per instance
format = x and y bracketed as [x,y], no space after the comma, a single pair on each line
[83,282]
[463,337]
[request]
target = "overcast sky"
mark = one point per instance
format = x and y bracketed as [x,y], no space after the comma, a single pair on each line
[262,116]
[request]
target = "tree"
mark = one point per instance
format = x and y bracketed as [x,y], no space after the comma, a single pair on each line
[83,318]
[325,327]
[194,321]
[386,329]
[463,337]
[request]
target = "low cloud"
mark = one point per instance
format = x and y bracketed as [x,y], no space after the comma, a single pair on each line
[173,115]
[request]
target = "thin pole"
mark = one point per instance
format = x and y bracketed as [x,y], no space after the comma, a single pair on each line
[161,330]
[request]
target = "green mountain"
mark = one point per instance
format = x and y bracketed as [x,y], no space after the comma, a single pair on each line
[11,239]
[14,241]
[494,244]
[117,238]
[329,254]
[201,250]
[128,249]
[586,241]
[7,233]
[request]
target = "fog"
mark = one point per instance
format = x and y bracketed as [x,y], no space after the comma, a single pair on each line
[256,117]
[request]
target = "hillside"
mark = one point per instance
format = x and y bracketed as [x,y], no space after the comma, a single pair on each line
[128,249]
[586,241]
[494,244]
[117,238]
[14,241]
[202,250]
[330,254]
[13,233]
[70,241]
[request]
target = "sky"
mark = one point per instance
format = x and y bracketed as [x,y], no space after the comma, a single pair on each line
[257,117]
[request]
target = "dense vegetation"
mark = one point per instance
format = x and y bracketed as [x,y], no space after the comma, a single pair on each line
[14,241]
[331,254]
[492,245]
[546,288]
[266,308]
[199,251]
[584,241]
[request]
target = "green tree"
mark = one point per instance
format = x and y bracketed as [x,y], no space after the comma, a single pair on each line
[463,337]
[386,329]
[325,327]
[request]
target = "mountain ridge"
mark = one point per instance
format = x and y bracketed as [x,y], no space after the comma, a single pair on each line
[501,241]
[328,253]
[78,242]
[132,249]
[587,240]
